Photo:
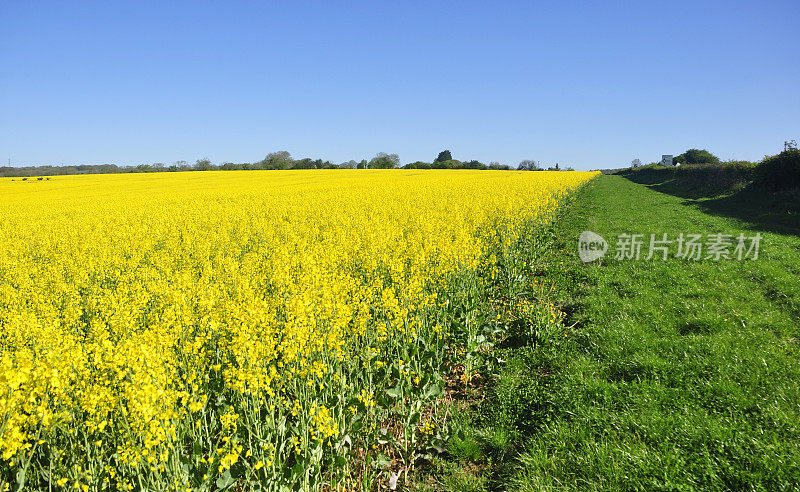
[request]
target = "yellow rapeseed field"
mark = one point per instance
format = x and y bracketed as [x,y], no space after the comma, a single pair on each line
[200,330]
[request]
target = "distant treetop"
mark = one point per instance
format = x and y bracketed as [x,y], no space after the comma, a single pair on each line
[444,156]
[696,156]
[384,161]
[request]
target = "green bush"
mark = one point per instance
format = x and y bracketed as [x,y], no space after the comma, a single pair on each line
[448,164]
[697,156]
[779,172]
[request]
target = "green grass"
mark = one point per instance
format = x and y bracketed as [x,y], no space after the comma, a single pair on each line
[665,375]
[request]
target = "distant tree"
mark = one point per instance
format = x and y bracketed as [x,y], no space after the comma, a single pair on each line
[696,156]
[528,165]
[281,155]
[417,165]
[277,160]
[300,164]
[109,168]
[443,156]
[308,163]
[384,161]
[203,165]
[351,164]
[473,164]
[496,166]
[449,164]
[392,157]
[179,166]
[636,163]
[363,164]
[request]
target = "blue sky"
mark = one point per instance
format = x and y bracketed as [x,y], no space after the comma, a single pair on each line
[587,84]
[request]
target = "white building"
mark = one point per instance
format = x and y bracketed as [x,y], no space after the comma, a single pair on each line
[666,160]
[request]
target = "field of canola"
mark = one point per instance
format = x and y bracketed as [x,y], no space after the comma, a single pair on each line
[217,330]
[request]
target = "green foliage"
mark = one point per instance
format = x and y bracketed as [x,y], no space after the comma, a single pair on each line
[384,161]
[473,164]
[449,164]
[696,156]
[417,165]
[202,165]
[33,171]
[311,164]
[779,172]
[281,160]
[444,156]
[528,165]
[276,160]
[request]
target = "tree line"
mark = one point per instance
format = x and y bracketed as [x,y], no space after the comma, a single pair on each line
[281,160]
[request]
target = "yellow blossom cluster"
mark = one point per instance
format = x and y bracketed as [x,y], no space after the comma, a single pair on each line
[166,331]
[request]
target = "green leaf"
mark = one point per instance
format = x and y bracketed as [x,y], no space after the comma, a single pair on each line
[21,479]
[382,461]
[434,390]
[225,480]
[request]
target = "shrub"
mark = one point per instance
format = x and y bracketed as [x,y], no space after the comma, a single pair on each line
[697,156]
[417,165]
[448,164]
[779,172]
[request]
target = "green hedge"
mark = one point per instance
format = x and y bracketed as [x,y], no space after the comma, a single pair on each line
[700,179]
[779,172]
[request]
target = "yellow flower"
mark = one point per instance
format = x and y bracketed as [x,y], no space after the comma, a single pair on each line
[133,300]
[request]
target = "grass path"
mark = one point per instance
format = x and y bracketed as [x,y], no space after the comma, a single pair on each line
[669,374]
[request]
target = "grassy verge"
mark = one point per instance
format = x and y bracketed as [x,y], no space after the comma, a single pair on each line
[660,374]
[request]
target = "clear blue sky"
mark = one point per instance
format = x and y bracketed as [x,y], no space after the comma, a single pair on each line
[587,84]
